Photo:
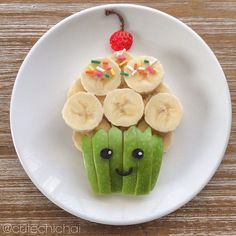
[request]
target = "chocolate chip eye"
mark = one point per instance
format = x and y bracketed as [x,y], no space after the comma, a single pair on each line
[138,153]
[106,153]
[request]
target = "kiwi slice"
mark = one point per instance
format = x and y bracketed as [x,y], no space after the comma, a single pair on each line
[115,143]
[101,159]
[158,148]
[144,161]
[89,162]
[129,144]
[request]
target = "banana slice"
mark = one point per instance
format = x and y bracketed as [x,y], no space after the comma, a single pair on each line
[101,76]
[75,88]
[82,112]
[167,137]
[122,58]
[163,112]
[143,74]
[78,87]
[123,107]
[161,88]
[77,136]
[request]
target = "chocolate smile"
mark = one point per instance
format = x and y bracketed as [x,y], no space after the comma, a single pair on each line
[124,173]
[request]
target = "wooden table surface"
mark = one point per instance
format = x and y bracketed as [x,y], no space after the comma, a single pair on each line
[212,212]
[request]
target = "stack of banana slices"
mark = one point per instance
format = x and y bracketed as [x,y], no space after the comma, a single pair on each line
[122,90]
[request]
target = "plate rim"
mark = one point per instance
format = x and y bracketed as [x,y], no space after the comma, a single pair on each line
[96,219]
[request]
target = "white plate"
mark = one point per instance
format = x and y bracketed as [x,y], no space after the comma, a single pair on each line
[43,141]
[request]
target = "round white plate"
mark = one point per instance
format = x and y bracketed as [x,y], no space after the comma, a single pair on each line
[43,141]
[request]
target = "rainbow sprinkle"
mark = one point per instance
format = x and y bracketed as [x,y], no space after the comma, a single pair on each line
[130,68]
[151,70]
[100,69]
[123,63]
[123,51]
[112,72]
[153,62]
[98,73]
[143,72]
[119,53]
[141,68]
[89,72]
[124,74]
[121,57]
[95,62]
[105,63]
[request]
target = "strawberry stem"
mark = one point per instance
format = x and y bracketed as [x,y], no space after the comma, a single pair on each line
[111,11]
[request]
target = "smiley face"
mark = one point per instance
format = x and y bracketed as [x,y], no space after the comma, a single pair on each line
[106,153]
[122,161]
[138,154]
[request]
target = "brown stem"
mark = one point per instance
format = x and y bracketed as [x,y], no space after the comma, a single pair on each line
[111,11]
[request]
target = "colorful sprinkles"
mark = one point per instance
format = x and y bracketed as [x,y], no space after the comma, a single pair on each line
[101,69]
[121,58]
[143,67]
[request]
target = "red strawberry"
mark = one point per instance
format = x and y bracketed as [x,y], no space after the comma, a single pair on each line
[120,39]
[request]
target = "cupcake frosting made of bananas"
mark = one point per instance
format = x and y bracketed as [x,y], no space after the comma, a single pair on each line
[123,115]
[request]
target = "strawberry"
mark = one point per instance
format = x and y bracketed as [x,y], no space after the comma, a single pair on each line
[120,39]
